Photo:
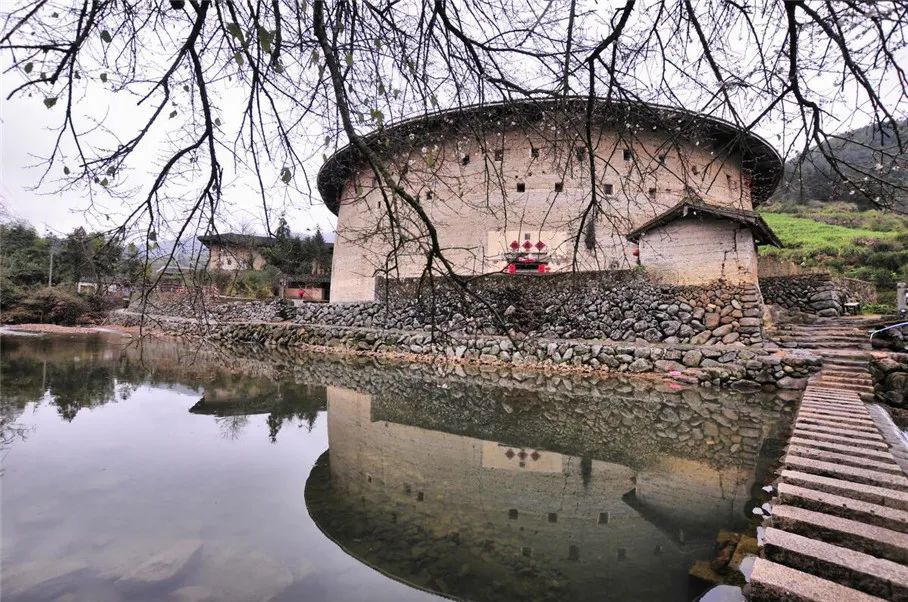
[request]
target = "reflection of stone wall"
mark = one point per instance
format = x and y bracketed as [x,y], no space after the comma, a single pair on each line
[748,369]
[400,491]
[810,293]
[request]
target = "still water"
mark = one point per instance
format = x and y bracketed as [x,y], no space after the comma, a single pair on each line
[163,471]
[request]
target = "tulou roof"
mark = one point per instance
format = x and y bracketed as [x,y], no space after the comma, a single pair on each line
[762,233]
[241,240]
[720,136]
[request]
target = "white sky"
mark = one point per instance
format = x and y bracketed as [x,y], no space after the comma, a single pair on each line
[26,137]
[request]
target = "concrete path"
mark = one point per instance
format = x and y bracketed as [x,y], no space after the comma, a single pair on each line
[838,528]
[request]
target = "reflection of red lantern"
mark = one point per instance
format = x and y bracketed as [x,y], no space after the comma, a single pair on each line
[512,269]
[542,268]
[636,252]
[515,245]
[527,245]
[540,245]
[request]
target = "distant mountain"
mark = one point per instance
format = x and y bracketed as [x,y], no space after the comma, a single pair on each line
[863,155]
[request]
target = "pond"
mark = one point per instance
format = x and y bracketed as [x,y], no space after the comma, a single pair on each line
[165,471]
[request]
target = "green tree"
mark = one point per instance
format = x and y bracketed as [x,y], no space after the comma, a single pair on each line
[24,258]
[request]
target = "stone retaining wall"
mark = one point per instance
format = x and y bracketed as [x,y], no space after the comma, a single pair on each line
[809,293]
[742,368]
[616,305]
[890,378]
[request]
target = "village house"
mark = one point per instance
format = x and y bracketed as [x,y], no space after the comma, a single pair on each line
[507,189]
[234,252]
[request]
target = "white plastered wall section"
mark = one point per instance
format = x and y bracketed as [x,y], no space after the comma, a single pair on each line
[695,250]
[478,208]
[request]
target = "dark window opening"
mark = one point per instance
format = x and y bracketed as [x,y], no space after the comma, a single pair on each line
[512,514]
[608,189]
[407,490]
[429,194]
[368,478]
[499,155]
[559,186]
[662,158]
[622,553]
[521,187]
[628,155]
[420,496]
[651,193]
[580,153]
[553,517]
[465,160]
[573,553]
[534,152]
[526,551]
[603,518]
[695,169]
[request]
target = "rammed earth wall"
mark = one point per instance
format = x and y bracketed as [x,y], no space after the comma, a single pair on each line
[743,368]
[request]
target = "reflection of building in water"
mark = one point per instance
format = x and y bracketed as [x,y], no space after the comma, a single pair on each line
[489,520]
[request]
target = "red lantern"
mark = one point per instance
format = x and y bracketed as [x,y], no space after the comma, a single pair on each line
[515,245]
[527,245]
[636,252]
[542,268]
[512,269]
[540,245]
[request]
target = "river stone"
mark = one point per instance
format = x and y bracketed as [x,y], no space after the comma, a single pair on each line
[43,579]
[192,593]
[789,382]
[165,566]
[711,320]
[640,365]
[692,358]
[723,330]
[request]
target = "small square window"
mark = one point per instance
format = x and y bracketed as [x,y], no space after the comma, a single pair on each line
[580,153]
[603,518]
[553,517]
[430,194]
[368,478]
[534,152]
[521,187]
[628,155]
[608,189]
[407,490]
[695,169]
[420,496]
[465,160]
[512,514]
[662,158]
[499,155]
[651,193]
[559,186]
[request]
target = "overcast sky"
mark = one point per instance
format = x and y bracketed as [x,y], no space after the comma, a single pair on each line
[26,137]
[26,134]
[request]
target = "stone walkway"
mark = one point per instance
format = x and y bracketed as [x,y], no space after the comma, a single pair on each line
[838,528]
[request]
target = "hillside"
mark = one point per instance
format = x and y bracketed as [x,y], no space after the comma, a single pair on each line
[811,180]
[867,245]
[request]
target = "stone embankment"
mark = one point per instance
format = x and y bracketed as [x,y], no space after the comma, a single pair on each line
[740,367]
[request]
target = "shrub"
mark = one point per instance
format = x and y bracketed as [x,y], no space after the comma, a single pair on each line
[48,305]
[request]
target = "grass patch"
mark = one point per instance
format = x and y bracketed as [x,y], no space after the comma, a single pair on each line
[802,235]
[867,245]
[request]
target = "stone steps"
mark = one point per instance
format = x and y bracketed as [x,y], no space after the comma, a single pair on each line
[838,526]
[771,582]
[875,576]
